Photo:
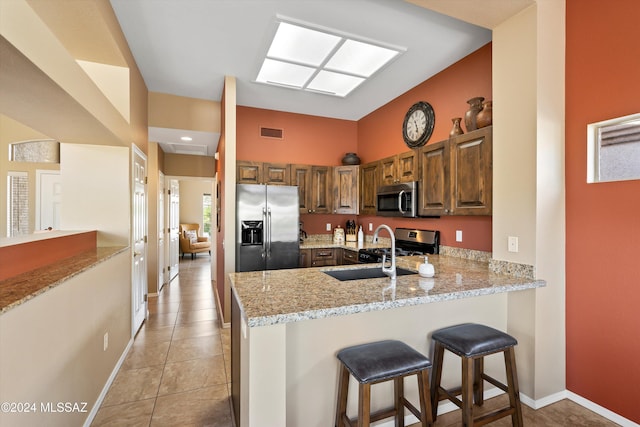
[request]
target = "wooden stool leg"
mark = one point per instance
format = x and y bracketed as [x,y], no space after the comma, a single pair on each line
[436,376]
[478,382]
[425,398]
[398,392]
[343,388]
[467,392]
[512,383]
[364,405]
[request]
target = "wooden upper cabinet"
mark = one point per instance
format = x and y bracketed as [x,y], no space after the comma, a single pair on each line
[346,189]
[301,176]
[457,175]
[262,173]
[321,194]
[472,173]
[248,172]
[276,173]
[369,187]
[402,167]
[435,183]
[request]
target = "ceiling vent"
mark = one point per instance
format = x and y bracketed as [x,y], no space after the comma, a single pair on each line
[271,133]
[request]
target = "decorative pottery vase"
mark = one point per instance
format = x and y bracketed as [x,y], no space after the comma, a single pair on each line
[456,129]
[351,159]
[484,117]
[475,105]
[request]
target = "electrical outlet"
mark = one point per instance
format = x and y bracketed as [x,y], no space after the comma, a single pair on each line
[370,226]
[328,227]
[458,235]
[105,342]
[513,244]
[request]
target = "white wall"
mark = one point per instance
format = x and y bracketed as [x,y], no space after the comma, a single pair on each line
[96,195]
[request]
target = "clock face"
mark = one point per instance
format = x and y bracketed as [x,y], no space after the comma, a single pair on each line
[418,124]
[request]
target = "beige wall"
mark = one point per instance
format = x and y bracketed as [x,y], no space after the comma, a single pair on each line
[528,170]
[188,165]
[178,112]
[51,348]
[191,192]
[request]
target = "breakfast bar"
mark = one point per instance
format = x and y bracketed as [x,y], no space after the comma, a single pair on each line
[287,326]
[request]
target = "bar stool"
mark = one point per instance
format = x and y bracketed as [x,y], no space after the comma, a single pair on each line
[376,362]
[472,342]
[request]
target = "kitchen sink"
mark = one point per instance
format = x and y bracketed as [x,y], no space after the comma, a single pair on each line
[364,273]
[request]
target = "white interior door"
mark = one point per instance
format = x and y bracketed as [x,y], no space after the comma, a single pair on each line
[174,228]
[162,227]
[48,199]
[139,239]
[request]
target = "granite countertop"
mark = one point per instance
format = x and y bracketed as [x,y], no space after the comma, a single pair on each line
[283,296]
[21,288]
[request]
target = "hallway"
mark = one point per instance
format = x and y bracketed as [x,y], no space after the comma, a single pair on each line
[178,371]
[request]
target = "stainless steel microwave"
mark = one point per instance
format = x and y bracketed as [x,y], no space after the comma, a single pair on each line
[398,200]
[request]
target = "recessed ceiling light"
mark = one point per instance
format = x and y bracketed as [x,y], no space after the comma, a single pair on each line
[318,60]
[186,138]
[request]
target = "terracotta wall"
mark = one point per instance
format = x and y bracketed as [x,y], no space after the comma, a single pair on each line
[603,229]
[380,135]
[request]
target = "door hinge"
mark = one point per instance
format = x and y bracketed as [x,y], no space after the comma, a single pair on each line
[169,192]
[145,297]
[168,230]
[146,181]
[169,268]
[145,239]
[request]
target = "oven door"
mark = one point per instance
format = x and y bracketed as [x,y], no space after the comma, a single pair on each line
[398,200]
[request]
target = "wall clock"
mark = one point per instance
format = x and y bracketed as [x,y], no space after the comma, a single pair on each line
[418,124]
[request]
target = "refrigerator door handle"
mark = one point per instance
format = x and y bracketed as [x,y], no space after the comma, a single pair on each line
[266,232]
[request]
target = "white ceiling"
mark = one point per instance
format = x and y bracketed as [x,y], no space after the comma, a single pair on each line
[187,47]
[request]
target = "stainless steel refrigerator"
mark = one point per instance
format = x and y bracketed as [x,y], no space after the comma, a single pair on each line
[267,227]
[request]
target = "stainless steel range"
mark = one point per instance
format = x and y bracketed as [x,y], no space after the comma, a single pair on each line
[408,242]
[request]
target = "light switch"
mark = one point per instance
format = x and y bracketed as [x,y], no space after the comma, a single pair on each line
[458,235]
[513,244]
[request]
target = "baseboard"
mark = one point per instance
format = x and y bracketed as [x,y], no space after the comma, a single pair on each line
[105,389]
[224,325]
[600,410]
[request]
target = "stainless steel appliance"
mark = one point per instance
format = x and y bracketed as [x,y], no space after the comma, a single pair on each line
[408,242]
[267,227]
[398,200]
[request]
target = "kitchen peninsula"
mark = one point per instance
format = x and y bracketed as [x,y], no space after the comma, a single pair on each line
[287,326]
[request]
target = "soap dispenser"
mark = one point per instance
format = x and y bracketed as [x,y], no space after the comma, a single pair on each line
[426,269]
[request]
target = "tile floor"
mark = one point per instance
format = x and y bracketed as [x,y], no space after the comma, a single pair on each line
[178,370]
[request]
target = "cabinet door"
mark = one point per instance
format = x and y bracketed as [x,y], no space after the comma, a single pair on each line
[301,176]
[472,178]
[248,172]
[276,173]
[323,257]
[321,194]
[388,170]
[305,258]
[345,189]
[368,188]
[407,167]
[435,189]
[349,257]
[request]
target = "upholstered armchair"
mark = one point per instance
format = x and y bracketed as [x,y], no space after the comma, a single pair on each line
[191,242]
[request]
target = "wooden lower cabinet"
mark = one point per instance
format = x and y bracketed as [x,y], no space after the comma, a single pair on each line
[323,257]
[349,257]
[305,258]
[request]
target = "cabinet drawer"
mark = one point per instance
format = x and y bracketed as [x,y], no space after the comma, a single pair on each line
[349,257]
[322,257]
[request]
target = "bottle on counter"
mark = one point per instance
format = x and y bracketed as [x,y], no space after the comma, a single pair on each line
[426,269]
[360,237]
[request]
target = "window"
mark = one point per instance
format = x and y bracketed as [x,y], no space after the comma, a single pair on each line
[613,150]
[206,214]
[17,204]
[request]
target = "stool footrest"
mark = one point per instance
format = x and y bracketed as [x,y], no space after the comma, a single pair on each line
[493,416]
[495,383]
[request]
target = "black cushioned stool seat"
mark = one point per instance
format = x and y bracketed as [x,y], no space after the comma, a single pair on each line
[472,342]
[377,362]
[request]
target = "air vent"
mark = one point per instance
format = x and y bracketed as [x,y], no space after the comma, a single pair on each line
[271,133]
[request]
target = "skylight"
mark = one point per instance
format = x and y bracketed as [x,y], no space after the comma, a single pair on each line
[319,61]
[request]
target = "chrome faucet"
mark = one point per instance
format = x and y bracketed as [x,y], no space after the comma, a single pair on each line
[389,271]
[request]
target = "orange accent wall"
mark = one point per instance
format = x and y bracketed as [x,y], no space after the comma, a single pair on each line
[24,257]
[380,135]
[603,220]
[306,139]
